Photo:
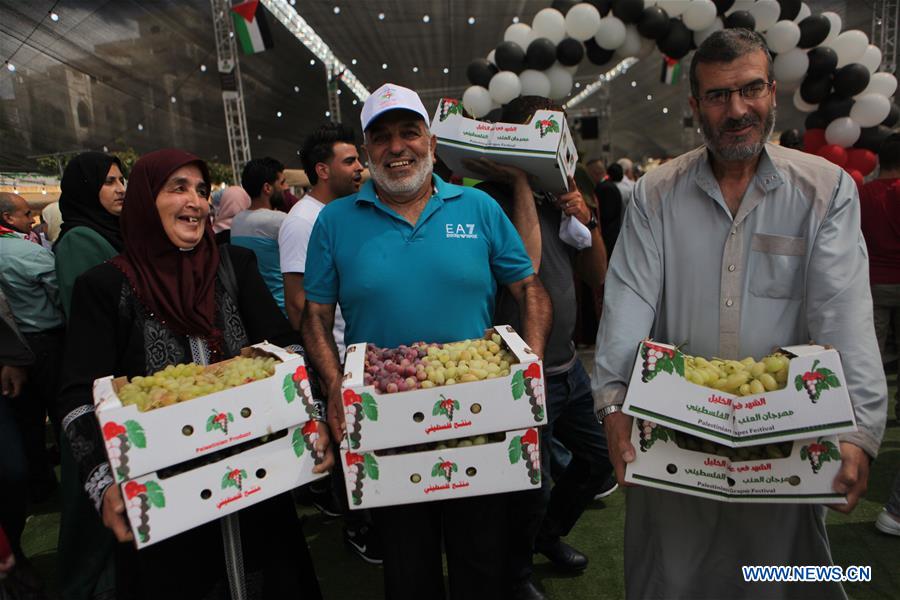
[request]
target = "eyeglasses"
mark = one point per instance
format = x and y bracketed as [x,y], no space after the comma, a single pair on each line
[751,91]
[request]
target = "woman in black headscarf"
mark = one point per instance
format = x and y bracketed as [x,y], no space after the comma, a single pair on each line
[93,193]
[173,296]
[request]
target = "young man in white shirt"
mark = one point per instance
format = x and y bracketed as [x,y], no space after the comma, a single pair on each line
[331,162]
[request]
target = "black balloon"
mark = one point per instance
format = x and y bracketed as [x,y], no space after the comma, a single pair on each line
[494,116]
[596,54]
[740,19]
[870,138]
[480,72]
[628,10]
[815,89]
[603,6]
[569,52]
[834,106]
[851,79]
[541,54]
[822,61]
[815,120]
[813,31]
[791,138]
[509,56]
[789,9]
[563,6]
[722,6]
[654,23]
[893,116]
[677,43]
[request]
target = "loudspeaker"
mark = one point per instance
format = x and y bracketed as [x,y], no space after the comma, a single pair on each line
[589,127]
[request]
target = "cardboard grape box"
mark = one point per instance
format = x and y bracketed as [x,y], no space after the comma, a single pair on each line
[804,476]
[797,411]
[160,507]
[381,478]
[141,442]
[543,147]
[376,420]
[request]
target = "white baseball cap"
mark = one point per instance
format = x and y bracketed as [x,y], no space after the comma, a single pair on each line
[391,97]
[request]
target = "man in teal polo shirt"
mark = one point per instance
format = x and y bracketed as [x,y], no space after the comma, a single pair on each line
[410,257]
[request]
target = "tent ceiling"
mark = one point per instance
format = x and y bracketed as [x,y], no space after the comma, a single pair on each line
[105,74]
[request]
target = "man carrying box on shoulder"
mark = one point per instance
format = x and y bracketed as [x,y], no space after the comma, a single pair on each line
[540,518]
[393,256]
[735,248]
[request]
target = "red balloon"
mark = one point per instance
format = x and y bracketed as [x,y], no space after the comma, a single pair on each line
[861,160]
[857,177]
[834,153]
[813,139]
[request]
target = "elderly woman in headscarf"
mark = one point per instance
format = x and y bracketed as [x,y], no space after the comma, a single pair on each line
[93,193]
[172,297]
[234,200]
[52,218]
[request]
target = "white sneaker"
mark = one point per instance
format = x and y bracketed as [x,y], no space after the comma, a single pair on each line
[887,523]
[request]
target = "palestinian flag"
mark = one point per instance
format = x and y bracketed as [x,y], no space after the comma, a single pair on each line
[250,27]
[671,71]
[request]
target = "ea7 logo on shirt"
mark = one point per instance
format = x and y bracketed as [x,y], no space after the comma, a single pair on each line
[461,231]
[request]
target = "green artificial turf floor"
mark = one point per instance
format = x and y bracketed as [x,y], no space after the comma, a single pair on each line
[854,541]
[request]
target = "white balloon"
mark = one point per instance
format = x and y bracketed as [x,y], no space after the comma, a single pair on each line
[783,36]
[870,110]
[766,13]
[582,21]
[740,5]
[519,33]
[477,101]
[560,82]
[843,132]
[802,105]
[674,7]
[699,36]
[789,86]
[647,47]
[571,69]
[850,46]
[610,33]
[804,12]
[534,83]
[871,58]
[791,66]
[505,86]
[549,23]
[881,83]
[632,44]
[835,28]
[700,15]
[490,57]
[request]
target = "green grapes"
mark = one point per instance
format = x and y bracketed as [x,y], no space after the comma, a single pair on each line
[182,382]
[741,377]
[422,365]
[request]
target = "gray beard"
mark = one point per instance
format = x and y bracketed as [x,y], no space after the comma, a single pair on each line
[403,187]
[737,151]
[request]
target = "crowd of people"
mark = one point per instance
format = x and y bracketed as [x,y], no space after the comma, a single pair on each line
[734,247]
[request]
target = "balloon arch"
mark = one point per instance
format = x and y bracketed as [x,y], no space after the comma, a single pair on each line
[833,73]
